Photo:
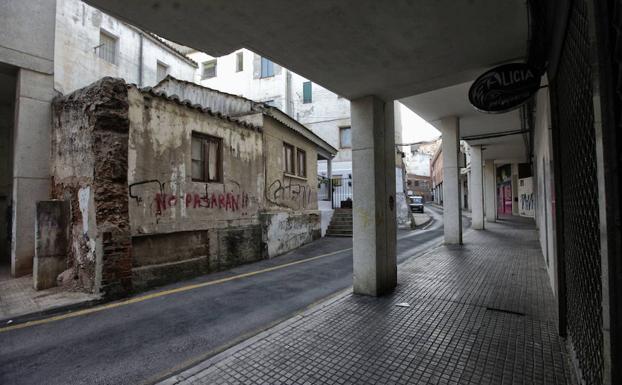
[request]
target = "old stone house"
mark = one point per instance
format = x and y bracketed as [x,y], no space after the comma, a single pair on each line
[161,188]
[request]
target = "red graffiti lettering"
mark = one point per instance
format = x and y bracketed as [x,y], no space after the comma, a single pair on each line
[221,201]
[197,201]
[188,200]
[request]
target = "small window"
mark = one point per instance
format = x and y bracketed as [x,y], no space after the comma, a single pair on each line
[162,71]
[239,62]
[345,137]
[209,69]
[206,158]
[288,159]
[267,68]
[107,48]
[416,183]
[306,92]
[301,157]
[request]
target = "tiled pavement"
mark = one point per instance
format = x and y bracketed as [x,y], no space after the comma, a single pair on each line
[18,296]
[482,313]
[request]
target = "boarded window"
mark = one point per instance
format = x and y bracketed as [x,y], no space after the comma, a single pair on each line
[206,158]
[239,62]
[306,92]
[209,69]
[162,71]
[345,137]
[288,159]
[301,157]
[267,68]
[108,47]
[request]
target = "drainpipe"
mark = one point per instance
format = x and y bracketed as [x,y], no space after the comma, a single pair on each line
[140,60]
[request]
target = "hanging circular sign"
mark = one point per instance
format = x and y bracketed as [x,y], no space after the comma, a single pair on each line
[504,88]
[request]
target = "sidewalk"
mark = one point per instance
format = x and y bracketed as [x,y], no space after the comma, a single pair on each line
[482,313]
[19,299]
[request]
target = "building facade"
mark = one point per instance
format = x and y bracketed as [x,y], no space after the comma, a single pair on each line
[250,75]
[90,44]
[26,93]
[161,189]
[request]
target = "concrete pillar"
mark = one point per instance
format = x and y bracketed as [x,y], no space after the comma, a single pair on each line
[469,192]
[490,191]
[31,163]
[374,219]
[452,213]
[477,189]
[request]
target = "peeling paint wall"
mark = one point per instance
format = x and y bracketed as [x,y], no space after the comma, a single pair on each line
[163,196]
[285,191]
[89,169]
[284,231]
[122,157]
[205,226]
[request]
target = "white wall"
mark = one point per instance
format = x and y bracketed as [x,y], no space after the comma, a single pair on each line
[77,62]
[27,44]
[418,163]
[324,115]
[543,183]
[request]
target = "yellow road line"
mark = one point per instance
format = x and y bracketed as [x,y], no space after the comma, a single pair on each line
[163,293]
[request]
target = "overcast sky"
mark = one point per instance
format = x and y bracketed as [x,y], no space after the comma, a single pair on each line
[415,129]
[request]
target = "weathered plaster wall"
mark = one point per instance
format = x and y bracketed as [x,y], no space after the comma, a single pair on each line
[89,169]
[163,197]
[285,231]
[292,217]
[285,191]
[202,227]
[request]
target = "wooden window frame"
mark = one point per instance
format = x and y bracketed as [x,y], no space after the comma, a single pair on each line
[292,159]
[205,140]
[301,172]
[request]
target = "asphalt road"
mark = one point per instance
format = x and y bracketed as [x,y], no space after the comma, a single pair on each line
[147,340]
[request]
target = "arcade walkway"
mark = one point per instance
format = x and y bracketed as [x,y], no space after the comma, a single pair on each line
[482,313]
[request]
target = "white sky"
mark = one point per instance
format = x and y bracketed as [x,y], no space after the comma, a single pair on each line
[414,128]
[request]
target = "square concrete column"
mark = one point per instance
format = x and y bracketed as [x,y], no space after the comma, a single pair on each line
[31,163]
[452,213]
[373,160]
[490,191]
[477,189]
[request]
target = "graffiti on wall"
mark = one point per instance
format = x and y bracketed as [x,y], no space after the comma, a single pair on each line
[289,193]
[526,202]
[162,201]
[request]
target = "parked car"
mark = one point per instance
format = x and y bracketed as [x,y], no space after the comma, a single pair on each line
[416,203]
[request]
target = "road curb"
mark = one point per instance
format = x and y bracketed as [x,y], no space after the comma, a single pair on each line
[56,310]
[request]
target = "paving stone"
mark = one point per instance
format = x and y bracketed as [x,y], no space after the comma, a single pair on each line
[483,313]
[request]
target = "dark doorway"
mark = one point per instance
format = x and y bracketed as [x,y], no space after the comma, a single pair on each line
[8,81]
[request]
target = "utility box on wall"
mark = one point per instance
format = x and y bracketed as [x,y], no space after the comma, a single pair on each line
[51,240]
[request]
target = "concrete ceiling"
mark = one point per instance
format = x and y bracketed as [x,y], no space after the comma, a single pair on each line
[352,47]
[425,53]
[453,101]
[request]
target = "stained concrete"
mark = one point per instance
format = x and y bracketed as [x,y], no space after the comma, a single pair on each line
[52,240]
